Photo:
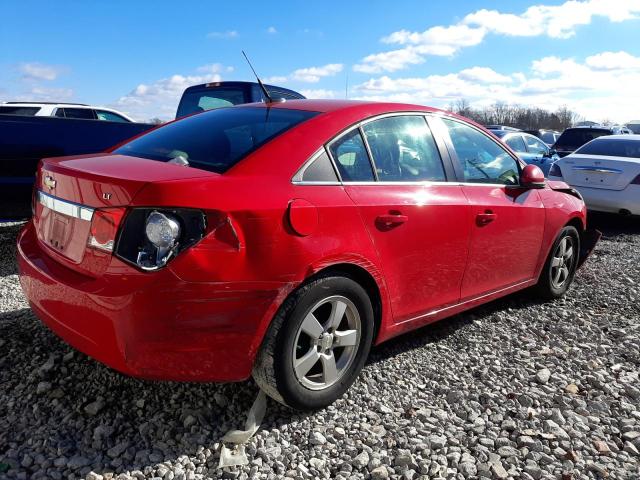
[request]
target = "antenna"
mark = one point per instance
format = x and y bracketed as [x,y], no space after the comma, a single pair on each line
[264,89]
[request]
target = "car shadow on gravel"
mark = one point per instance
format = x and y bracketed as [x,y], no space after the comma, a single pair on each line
[8,235]
[612,225]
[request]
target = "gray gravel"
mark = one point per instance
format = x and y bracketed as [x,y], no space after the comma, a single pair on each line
[514,389]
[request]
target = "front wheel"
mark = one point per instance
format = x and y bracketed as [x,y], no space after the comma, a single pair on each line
[317,343]
[560,267]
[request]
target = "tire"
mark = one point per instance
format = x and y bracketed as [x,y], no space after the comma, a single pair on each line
[551,283]
[293,337]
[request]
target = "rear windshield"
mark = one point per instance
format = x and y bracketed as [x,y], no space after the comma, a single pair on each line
[612,148]
[194,101]
[26,111]
[579,136]
[215,140]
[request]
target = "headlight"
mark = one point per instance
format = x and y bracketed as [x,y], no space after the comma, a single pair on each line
[161,230]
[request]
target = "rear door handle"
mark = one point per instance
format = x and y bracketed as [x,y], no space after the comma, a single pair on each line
[391,220]
[485,218]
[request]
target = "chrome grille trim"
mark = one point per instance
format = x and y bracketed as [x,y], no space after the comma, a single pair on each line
[65,207]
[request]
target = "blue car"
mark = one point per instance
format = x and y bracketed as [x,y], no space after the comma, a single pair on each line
[529,148]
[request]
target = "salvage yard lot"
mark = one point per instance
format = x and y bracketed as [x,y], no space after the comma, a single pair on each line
[514,388]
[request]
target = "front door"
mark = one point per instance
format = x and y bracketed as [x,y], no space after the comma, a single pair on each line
[508,221]
[419,224]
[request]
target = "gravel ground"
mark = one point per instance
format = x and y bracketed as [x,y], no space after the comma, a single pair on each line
[513,389]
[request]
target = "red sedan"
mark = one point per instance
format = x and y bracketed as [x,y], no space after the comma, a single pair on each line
[284,240]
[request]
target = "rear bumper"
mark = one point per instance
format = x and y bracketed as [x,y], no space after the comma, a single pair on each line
[612,201]
[153,326]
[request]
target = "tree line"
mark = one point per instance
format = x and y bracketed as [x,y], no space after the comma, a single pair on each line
[518,116]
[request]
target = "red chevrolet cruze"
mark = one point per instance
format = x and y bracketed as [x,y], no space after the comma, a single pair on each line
[283,240]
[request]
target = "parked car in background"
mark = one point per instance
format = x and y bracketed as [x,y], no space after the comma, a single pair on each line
[547,136]
[634,126]
[24,140]
[529,148]
[63,110]
[606,172]
[209,96]
[502,127]
[573,138]
[287,253]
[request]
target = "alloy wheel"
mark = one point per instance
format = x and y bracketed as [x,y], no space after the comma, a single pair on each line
[562,262]
[327,342]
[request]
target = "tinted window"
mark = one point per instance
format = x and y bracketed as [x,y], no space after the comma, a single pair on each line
[201,100]
[84,113]
[59,112]
[548,137]
[611,147]
[634,127]
[320,170]
[351,158]
[482,159]
[26,111]
[215,140]
[516,143]
[576,137]
[110,116]
[535,146]
[403,149]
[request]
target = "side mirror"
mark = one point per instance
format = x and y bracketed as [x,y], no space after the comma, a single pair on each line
[532,177]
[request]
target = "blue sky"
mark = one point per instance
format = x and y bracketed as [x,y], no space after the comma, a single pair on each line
[139,56]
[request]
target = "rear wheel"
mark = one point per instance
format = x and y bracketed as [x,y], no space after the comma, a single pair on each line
[316,344]
[560,267]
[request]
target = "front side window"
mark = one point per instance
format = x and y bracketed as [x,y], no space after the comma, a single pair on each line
[536,146]
[110,116]
[404,150]
[351,158]
[482,159]
[516,143]
[215,140]
[82,113]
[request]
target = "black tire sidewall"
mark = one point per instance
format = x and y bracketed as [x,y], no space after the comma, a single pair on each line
[548,283]
[295,394]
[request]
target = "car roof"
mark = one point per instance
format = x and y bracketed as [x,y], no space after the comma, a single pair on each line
[627,136]
[204,86]
[36,104]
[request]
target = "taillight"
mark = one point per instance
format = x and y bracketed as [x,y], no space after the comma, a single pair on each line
[636,181]
[150,237]
[104,228]
[555,171]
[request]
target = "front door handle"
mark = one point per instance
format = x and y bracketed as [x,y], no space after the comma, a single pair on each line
[391,220]
[485,218]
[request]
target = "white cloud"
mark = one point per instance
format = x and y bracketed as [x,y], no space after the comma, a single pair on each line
[314,74]
[600,86]
[224,35]
[308,75]
[557,21]
[35,71]
[272,30]
[160,98]
[319,93]
[46,94]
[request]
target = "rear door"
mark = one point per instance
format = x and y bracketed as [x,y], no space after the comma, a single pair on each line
[508,221]
[419,223]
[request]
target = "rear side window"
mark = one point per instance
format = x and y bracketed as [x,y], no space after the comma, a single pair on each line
[82,113]
[24,111]
[516,143]
[351,158]
[320,170]
[215,140]
[403,149]
[611,147]
[482,159]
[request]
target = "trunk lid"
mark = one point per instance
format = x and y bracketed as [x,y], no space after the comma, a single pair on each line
[71,189]
[596,171]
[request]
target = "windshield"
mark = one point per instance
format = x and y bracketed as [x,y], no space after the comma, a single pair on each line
[634,127]
[579,136]
[195,101]
[612,148]
[215,140]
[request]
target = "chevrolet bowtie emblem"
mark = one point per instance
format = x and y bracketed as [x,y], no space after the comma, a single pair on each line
[49,182]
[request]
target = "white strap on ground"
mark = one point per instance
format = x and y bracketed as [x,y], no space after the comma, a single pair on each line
[236,456]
